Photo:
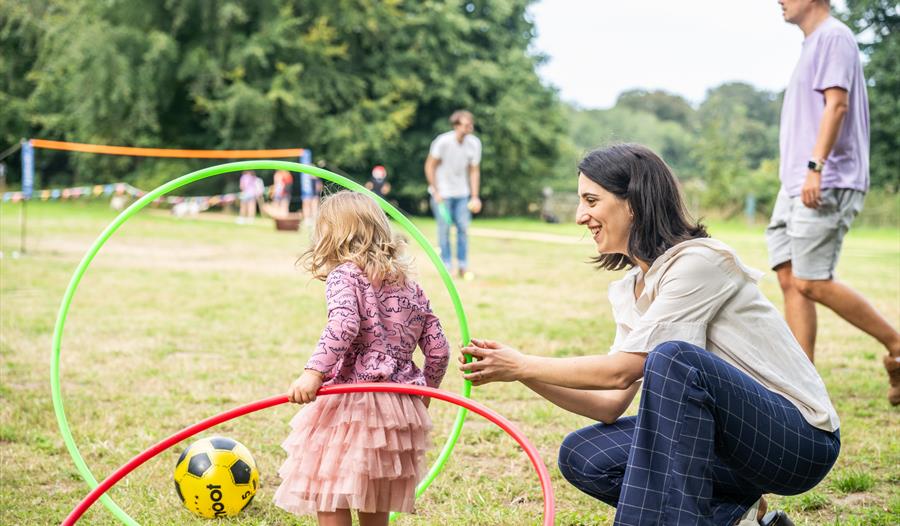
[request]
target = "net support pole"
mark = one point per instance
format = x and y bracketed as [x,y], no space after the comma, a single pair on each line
[27,188]
[22,223]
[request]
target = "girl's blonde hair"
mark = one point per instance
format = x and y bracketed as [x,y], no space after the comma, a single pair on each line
[351,228]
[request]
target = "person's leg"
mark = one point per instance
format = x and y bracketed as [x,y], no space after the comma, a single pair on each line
[698,411]
[817,237]
[306,194]
[316,197]
[593,458]
[307,211]
[462,216]
[799,310]
[853,307]
[339,517]
[443,230]
[380,518]
[246,212]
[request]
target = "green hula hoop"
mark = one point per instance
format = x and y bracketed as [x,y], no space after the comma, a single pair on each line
[202,174]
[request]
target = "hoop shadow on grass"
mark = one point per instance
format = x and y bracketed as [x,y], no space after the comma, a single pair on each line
[151,196]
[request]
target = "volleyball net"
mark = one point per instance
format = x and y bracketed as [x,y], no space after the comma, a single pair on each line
[29,147]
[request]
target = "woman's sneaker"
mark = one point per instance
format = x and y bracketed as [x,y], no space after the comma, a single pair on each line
[753,513]
[757,516]
[776,518]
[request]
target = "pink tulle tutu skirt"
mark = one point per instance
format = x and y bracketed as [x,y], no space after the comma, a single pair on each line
[360,451]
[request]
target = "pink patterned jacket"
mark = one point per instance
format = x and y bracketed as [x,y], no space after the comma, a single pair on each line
[372,332]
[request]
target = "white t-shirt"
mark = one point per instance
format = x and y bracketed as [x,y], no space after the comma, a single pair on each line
[699,292]
[452,174]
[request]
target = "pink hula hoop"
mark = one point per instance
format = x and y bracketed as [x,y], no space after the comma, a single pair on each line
[496,418]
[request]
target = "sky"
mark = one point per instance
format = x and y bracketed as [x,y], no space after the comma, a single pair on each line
[598,48]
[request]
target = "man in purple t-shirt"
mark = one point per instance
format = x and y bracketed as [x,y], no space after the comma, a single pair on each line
[824,173]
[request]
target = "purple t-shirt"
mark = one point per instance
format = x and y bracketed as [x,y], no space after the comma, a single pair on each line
[372,332]
[829,59]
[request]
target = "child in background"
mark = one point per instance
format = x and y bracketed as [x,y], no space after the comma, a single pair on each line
[250,192]
[378,183]
[361,451]
[281,191]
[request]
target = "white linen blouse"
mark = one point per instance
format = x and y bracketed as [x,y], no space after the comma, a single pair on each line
[701,293]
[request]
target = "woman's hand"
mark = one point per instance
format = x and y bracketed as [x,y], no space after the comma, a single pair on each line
[303,390]
[494,362]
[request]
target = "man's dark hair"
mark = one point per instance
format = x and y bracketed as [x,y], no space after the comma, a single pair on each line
[636,174]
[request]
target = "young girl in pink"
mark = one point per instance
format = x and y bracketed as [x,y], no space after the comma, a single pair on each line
[361,451]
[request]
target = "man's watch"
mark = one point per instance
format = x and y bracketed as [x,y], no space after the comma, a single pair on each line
[816,165]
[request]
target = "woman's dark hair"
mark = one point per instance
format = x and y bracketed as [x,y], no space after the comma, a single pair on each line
[636,174]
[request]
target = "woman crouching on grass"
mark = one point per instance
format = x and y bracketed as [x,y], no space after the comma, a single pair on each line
[730,406]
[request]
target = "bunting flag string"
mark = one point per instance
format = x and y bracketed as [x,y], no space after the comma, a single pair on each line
[109,189]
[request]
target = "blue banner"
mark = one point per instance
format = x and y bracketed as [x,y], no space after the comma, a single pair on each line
[27,169]
[306,156]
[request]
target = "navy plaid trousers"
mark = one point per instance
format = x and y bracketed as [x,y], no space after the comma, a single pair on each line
[707,442]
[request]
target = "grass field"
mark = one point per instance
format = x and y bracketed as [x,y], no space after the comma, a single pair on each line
[178,320]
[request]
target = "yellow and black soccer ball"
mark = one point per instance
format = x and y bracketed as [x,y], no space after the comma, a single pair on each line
[216,477]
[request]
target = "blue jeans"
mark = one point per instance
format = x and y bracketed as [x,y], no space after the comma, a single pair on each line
[461,217]
[707,442]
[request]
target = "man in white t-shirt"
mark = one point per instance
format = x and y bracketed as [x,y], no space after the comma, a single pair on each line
[454,176]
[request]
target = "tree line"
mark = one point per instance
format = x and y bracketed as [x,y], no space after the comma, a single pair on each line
[364,83]
[727,147]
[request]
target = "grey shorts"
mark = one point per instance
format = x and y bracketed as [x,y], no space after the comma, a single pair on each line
[811,238]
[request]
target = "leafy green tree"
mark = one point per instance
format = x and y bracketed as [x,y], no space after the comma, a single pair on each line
[666,106]
[877,23]
[20,36]
[359,82]
[721,161]
[747,115]
[589,129]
